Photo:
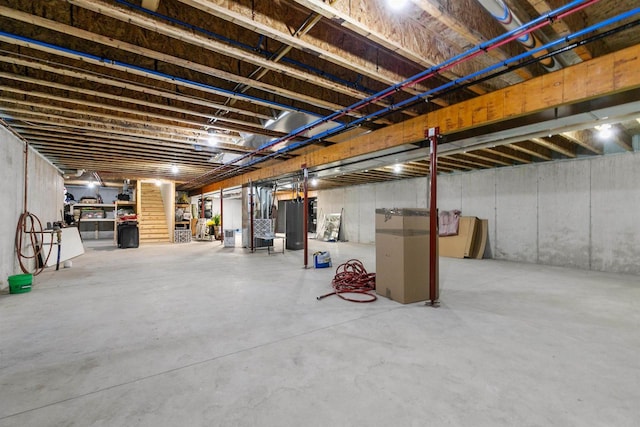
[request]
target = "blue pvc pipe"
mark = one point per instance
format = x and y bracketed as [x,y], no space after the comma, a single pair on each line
[222,91]
[391,89]
[423,95]
[247,47]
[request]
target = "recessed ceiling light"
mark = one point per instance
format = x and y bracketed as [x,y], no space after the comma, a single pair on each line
[604,130]
[174,169]
[397,168]
[397,4]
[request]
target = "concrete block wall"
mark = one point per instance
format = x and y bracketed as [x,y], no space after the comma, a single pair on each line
[582,213]
[45,196]
[360,203]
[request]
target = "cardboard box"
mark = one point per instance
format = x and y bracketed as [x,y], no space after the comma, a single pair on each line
[402,254]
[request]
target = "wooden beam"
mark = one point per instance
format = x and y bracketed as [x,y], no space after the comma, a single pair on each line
[491,158]
[454,164]
[179,112]
[119,84]
[585,139]
[208,43]
[564,27]
[252,19]
[620,137]
[411,39]
[545,142]
[460,158]
[531,149]
[472,34]
[570,85]
[505,151]
[160,56]
[146,74]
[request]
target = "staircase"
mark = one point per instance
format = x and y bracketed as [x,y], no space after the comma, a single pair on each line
[152,219]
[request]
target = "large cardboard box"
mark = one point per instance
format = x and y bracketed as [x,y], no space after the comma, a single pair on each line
[402,254]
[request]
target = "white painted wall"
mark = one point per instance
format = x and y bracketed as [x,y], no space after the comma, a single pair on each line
[581,213]
[45,196]
[231,211]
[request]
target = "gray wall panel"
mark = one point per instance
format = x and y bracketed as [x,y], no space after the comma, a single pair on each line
[615,205]
[576,213]
[563,213]
[516,214]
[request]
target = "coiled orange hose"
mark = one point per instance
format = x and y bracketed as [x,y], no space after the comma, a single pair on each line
[352,278]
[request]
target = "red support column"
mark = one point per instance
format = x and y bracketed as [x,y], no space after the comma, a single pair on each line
[305,217]
[432,134]
[221,219]
[251,216]
[201,204]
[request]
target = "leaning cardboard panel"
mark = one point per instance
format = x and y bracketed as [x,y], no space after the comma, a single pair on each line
[402,254]
[482,233]
[462,245]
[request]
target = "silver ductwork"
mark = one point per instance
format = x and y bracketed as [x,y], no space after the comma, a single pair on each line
[286,122]
[501,12]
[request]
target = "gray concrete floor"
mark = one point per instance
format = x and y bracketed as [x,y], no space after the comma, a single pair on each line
[201,335]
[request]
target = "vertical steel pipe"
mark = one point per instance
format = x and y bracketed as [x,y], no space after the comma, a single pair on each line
[433,216]
[251,216]
[305,216]
[221,219]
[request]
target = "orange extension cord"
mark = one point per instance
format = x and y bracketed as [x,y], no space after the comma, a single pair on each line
[352,278]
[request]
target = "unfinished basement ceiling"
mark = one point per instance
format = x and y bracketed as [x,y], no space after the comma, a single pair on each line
[128,89]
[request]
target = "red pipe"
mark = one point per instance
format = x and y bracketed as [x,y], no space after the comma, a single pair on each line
[305,216]
[433,217]
[251,214]
[408,83]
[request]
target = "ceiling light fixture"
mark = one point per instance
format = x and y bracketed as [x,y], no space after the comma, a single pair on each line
[314,182]
[397,4]
[397,168]
[174,169]
[213,138]
[158,183]
[604,130]
[91,184]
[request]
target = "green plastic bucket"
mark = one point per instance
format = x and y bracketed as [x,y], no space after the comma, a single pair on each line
[20,283]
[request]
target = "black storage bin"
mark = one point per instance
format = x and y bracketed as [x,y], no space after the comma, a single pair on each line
[128,235]
[294,216]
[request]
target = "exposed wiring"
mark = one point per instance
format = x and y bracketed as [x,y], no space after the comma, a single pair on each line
[352,278]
